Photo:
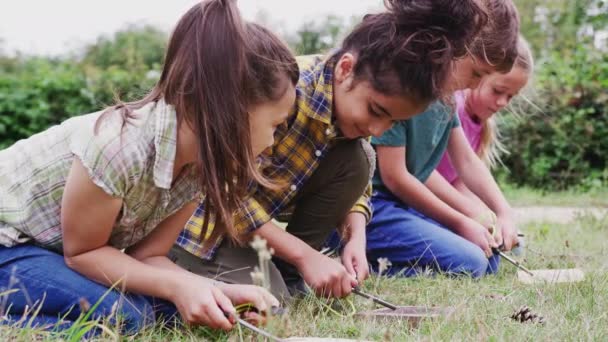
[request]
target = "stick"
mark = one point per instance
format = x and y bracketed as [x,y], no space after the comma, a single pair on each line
[258,330]
[513,261]
[375,299]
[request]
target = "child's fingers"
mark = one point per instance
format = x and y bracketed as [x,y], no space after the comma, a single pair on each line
[255,318]
[362,272]
[348,264]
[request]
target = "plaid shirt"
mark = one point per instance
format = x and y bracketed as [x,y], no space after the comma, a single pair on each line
[300,144]
[134,164]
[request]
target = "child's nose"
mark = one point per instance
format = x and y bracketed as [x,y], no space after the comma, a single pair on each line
[502,101]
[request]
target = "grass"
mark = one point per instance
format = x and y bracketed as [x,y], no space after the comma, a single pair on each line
[577,311]
[522,196]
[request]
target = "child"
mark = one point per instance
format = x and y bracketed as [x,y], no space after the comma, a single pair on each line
[389,68]
[128,178]
[418,222]
[476,109]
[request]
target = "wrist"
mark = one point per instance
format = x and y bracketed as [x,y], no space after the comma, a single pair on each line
[301,255]
[504,211]
[354,229]
[173,285]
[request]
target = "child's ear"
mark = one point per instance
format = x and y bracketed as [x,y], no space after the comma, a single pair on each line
[345,67]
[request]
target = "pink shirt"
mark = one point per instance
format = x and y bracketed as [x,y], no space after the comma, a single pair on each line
[472,131]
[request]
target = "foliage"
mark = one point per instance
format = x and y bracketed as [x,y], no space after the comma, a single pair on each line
[37,92]
[557,25]
[566,143]
[133,48]
[321,35]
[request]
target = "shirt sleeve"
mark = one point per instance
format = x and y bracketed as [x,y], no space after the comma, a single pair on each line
[113,160]
[251,216]
[395,136]
[248,218]
[363,205]
[455,122]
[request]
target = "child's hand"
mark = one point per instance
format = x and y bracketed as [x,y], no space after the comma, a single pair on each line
[477,234]
[328,277]
[509,232]
[485,217]
[354,259]
[258,296]
[354,255]
[201,303]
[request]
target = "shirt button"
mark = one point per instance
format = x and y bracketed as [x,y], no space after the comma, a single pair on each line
[293,187]
[318,153]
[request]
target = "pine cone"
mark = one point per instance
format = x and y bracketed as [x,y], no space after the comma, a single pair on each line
[525,315]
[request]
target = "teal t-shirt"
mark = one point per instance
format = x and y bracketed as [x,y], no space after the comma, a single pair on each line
[425,137]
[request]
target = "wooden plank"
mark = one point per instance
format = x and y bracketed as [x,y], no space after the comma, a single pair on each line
[410,314]
[319,339]
[569,275]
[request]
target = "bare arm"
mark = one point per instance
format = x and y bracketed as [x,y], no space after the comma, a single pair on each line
[154,248]
[88,215]
[476,176]
[457,200]
[327,276]
[396,177]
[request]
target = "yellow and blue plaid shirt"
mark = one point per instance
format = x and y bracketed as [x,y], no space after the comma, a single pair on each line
[300,144]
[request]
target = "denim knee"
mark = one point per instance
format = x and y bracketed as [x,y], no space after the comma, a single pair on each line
[134,312]
[474,263]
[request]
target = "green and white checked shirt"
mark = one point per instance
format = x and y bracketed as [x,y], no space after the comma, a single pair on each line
[135,164]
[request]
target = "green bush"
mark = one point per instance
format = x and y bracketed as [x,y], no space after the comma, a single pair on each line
[37,92]
[566,144]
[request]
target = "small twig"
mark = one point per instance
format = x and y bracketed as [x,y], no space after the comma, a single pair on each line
[375,299]
[258,331]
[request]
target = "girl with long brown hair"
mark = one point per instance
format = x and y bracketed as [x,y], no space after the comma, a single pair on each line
[129,177]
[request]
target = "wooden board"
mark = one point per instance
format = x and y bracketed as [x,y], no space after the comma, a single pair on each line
[319,339]
[410,314]
[570,275]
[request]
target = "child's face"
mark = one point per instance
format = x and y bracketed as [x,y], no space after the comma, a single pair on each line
[360,110]
[467,73]
[265,117]
[495,92]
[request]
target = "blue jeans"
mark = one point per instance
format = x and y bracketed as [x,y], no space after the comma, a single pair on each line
[41,279]
[414,243]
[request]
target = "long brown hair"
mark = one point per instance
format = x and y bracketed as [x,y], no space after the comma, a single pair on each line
[211,76]
[409,49]
[497,42]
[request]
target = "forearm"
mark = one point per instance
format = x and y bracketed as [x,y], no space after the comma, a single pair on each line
[353,229]
[476,176]
[285,245]
[416,195]
[450,195]
[109,266]
[162,262]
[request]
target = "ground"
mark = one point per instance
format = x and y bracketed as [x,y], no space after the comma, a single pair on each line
[563,237]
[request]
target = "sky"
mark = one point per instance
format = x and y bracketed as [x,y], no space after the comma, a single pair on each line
[54,27]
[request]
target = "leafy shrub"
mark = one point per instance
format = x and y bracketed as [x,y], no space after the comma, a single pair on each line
[566,144]
[37,92]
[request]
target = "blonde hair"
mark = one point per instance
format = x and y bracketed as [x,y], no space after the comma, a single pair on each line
[490,145]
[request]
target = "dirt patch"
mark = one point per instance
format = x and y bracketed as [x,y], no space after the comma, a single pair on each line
[556,214]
